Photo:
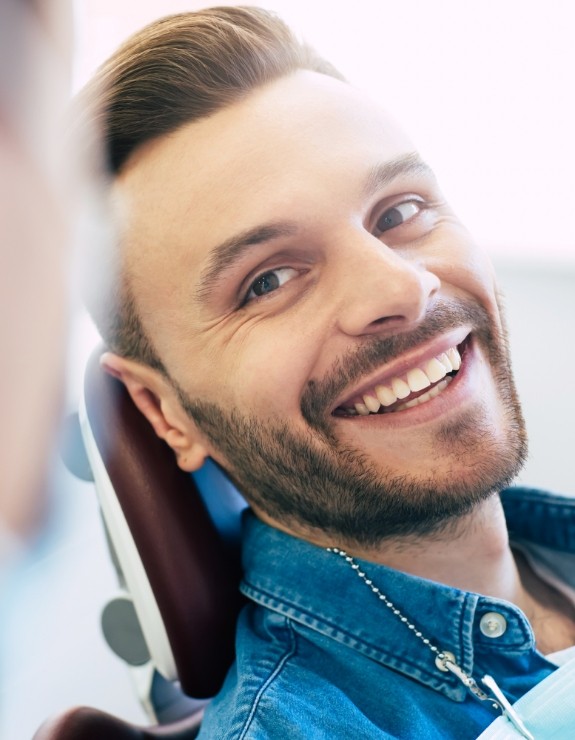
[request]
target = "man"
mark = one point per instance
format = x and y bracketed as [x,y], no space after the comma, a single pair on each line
[293,298]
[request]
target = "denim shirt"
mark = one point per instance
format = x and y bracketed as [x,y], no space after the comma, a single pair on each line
[319,656]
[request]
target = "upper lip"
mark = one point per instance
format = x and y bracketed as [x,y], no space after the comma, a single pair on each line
[402,364]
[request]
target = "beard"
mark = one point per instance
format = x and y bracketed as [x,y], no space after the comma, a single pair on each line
[309,481]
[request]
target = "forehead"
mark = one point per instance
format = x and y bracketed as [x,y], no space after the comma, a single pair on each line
[279,138]
[290,150]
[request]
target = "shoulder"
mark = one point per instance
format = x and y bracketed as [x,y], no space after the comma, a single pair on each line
[272,691]
[523,505]
[537,495]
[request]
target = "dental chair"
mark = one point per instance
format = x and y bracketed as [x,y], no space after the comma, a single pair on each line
[174,541]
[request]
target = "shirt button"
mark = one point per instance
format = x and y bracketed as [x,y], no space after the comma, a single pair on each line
[493,624]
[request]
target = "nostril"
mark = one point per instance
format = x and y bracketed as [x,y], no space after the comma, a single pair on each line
[391,292]
[388,319]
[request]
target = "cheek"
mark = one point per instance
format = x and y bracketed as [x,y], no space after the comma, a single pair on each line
[260,369]
[266,373]
[462,265]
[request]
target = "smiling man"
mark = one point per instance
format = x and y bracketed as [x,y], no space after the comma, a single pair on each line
[293,297]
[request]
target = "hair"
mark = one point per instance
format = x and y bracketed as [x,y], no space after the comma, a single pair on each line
[174,71]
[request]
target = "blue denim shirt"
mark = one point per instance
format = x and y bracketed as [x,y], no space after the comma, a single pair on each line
[318,656]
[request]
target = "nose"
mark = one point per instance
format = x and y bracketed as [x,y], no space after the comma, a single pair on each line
[379,286]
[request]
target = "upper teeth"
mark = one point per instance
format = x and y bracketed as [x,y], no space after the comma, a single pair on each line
[415,380]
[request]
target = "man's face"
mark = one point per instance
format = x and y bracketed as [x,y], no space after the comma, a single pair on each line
[295,265]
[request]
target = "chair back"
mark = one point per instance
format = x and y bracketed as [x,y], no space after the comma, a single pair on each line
[180,571]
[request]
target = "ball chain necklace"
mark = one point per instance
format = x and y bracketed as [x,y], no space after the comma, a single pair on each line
[444,660]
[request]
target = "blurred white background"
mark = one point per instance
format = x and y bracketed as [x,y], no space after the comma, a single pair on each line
[485,90]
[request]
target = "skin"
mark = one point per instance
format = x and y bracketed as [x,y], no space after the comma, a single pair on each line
[355,303]
[35,208]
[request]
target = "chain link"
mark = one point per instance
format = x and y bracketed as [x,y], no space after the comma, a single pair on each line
[440,654]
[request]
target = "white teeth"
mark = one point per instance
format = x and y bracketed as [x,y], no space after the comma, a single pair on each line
[435,370]
[435,391]
[417,380]
[372,403]
[454,358]
[409,404]
[400,388]
[445,361]
[385,395]
[361,409]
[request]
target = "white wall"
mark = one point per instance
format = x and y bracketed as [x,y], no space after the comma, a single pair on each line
[485,88]
[541,311]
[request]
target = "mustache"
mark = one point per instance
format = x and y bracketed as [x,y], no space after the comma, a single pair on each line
[320,395]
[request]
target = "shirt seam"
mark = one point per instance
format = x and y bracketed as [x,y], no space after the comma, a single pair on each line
[273,675]
[410,666]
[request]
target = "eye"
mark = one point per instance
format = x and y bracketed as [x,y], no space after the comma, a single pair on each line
[269,281]
[398,215]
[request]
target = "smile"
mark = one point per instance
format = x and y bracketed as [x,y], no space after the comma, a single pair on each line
[416,386]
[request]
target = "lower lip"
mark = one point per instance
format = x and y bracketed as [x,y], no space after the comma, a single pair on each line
[457,393]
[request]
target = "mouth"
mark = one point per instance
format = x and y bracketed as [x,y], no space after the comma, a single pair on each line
[416,385]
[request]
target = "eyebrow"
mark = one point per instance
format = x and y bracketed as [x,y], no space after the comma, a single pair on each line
[383,174]
[227,253]
[231,250]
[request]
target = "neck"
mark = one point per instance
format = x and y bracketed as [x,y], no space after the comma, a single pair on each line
[474,554]
[471,554]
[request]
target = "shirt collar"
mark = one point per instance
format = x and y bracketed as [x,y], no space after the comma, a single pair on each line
[543,518]
[319,589]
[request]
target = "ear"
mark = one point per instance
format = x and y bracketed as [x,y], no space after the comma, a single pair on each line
[158,402]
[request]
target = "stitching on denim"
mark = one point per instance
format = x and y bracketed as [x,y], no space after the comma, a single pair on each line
[324,626]
[274,674]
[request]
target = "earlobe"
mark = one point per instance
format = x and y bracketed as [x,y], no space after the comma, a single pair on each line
[156,400]
[193,458]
